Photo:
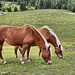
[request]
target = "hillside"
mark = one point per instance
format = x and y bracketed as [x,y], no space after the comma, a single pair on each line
[63,24]
[61,21]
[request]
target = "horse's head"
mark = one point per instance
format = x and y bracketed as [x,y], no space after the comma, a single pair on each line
[46,54]
[58,51]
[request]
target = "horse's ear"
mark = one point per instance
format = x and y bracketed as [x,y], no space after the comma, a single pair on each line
[59,46]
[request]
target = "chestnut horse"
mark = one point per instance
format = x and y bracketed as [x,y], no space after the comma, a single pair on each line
[24,36]
[51,37]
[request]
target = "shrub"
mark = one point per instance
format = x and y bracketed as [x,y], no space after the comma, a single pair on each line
[64,6]
[15,9]
[0,4]
[36,6]
[23,6]
[3,9]
[9,9]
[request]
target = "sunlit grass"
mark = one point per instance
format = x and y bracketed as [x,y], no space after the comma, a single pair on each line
[65,66]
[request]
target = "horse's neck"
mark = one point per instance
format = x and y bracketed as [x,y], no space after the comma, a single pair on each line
[53,41]
[39,40]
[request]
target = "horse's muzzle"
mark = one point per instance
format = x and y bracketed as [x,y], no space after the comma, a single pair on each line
[61,57]
[49,62]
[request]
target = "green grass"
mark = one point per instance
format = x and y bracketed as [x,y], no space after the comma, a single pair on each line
[61,21]
[63,24]
[37,66]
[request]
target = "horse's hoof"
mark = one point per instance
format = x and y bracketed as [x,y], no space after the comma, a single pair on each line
[22,62]
[21,59]
[16,56]
[5,62]
[28,60]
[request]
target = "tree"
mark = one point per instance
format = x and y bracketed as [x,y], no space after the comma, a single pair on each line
[37,4]
[54,4]
[23,6]
[9,9]
[48,4]
[15,9]
[73,5]
[18,2]
[59,3]
[0,5]
[69,5]
[41,4]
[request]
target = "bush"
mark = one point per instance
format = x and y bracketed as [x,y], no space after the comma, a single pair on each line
[23,6]
[36,7]
[3,9]
[9,9]
[15,9]
[64,6]
[0,5]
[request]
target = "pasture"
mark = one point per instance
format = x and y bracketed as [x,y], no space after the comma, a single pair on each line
[63,24]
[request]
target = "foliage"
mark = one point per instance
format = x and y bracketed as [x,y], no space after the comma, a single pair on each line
[18,2]
[46,4]
[23,6]
[0,4]
[15,9]
[9,9]
[3,9]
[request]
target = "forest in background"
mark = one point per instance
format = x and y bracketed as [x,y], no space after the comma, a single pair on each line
[46,4]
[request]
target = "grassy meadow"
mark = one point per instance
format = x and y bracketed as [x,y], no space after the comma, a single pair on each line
[62,23]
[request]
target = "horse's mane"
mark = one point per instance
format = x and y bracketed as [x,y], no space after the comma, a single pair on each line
[51,31]
[46,44]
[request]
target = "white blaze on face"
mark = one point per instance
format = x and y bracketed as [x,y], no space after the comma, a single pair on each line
[60,56]
[61,48]
[49,62]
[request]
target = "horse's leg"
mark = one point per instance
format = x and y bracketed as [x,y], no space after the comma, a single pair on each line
[1,55]
[23,52]
[39,53]
[20,49]
[28,50]
[15,49]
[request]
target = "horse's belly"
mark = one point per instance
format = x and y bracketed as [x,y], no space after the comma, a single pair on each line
[13,42]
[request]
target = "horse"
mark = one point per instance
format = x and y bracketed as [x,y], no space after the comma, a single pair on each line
[24,36]
[51,37]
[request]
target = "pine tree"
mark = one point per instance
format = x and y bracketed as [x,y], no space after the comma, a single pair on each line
[0,5]
[69,5]
[23,6]
[73,5]
[18,2]
[41,4]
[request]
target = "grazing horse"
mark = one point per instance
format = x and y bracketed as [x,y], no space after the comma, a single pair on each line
[51,37]
[24,36]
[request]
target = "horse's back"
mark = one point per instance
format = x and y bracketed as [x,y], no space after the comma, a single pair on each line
[45,32]
[18,35]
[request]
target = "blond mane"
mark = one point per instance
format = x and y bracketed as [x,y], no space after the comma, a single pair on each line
[51,31]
